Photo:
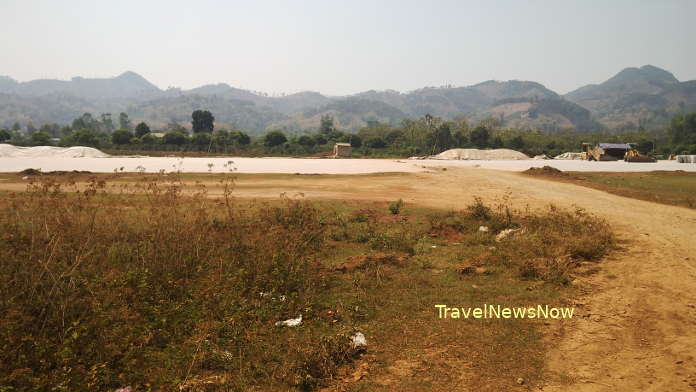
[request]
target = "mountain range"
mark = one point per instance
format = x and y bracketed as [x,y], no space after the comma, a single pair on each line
[635,97]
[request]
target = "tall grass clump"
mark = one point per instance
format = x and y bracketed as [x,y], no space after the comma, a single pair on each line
[155,290]
[544,244]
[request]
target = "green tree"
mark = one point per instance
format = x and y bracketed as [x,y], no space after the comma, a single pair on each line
[326,125]
[517,143]
[274,138]
[148,139]
[86,121]
[376,142]
[442,138]
[306,141]
[241,138]
[123,121]
[83,137]
[141,129]
[201,139]
[40,139]
[176,138]
[355,141]
[16,127]
[106,123]
[31,129]
[52,129]
[479,136]
[320,139]
[202,121]
[121,137]
[4,135]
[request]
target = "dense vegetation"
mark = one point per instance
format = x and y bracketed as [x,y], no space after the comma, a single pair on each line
[425,136]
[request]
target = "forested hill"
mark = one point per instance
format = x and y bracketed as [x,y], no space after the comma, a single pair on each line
[635,97]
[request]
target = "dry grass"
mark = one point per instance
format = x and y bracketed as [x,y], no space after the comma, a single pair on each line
[142,286]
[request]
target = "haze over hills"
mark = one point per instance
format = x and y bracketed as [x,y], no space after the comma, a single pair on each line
[646,96]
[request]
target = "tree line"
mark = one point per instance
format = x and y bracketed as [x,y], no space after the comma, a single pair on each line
[424,136]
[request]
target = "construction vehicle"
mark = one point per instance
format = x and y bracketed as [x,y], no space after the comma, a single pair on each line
[614,152]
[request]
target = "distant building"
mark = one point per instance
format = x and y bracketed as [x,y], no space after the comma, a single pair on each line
[342,150]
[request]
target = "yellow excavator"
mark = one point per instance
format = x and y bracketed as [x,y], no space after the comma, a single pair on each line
[614,152]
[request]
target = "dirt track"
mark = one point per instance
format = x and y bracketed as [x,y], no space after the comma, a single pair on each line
[638,330]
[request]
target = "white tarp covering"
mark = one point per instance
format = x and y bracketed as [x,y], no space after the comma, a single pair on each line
[466,154]
[10,151]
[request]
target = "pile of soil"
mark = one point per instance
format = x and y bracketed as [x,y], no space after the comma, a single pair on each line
[546,171]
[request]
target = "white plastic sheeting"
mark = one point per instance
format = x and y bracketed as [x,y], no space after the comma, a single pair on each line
[465,154]
[10,151]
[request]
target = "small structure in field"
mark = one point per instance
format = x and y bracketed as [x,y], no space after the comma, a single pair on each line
[342,150]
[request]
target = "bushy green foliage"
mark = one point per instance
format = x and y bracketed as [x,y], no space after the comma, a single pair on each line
[121,136]
[395,207]
[274,138]
[141,129]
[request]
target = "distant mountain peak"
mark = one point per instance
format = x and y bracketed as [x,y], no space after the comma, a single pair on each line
[646,73]
[129,75]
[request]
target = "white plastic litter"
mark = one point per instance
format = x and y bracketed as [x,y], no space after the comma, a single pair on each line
[505,234]
[483,229]
[358,340]
[290,322]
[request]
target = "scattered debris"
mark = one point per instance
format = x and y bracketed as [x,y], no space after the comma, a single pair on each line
[520,380]
[290,322]
[466,269]
[506,233]
[125,389]
[541,157]
[358,340]
[483,229]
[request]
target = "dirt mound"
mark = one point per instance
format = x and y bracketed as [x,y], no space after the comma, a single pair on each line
[546,171]
[464,154]
[10,151]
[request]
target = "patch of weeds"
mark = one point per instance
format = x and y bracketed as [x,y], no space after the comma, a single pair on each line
[395,207]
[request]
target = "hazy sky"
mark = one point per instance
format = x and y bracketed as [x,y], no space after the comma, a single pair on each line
[344,47]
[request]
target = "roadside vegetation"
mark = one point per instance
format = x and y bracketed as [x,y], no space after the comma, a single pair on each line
[108,285]
[672,188]
[425,136]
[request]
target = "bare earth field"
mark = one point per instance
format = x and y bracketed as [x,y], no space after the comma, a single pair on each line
[638,324]
[312,165]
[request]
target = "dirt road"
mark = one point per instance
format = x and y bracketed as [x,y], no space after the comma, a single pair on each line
[638,330]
